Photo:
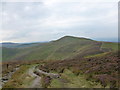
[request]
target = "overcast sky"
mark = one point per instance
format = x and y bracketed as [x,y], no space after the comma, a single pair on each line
[51,19]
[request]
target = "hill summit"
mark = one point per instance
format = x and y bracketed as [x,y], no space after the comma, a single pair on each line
[66,47]
[69,38]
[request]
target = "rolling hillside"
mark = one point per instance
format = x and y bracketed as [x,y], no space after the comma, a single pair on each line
[66,47]
[19,45]
[9,44]
[76,72]
[69,62]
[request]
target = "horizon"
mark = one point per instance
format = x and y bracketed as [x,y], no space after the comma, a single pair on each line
[50,20]
[59,43]
[97,39]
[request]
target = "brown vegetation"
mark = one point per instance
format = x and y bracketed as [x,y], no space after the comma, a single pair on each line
[100,69]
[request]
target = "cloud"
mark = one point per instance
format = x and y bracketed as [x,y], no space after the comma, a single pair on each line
[50,19]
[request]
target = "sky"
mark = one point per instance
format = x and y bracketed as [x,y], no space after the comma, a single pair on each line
[47,20]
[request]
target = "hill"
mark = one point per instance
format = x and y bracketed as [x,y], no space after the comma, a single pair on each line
[66,47]
[103,70]
[92,72]
[9,44]
[19,45]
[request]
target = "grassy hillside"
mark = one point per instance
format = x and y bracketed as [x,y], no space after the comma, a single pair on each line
[110,45]
[93,72]
[97,71]
[64,48]
[19,45]
[79,62]
[8,53]
[9,45]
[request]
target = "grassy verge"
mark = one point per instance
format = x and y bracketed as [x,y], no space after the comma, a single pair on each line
[20,78]
[70,80]
[55,83]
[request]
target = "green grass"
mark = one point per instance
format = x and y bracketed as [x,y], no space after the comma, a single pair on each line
[20,78]
[8,53]
[73,81]
[57,50]
[111,45]
[108,45]
[56,84]
[64,48]
[97,55]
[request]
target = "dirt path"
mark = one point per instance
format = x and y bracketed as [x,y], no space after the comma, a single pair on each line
[36,83]
[34,80]
[52,75]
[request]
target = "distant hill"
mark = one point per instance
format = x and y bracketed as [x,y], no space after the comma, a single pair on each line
[9,44]
[66,47]
[19,45]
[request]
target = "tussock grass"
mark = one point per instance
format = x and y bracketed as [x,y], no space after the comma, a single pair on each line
[20,78]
